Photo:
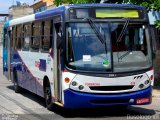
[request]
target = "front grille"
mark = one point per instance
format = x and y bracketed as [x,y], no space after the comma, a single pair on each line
[110,101]
[111,88]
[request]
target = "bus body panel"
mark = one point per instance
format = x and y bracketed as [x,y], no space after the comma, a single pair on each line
[127,83]
[32,67]
[73,99]
[106,85]
[5,62]
[5,50]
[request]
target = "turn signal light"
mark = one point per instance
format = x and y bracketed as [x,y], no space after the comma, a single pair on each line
[67,80]
[151,77]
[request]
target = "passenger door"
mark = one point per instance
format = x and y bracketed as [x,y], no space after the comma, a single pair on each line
[57,59]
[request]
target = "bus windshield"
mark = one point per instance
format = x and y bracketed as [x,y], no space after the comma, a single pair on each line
[86,52]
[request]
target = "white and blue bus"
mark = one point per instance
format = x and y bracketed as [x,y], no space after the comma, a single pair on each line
[80,56]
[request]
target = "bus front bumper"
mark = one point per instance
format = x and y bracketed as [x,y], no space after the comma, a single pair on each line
[74,99]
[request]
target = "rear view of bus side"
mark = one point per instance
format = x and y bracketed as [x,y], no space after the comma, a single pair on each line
[80,56]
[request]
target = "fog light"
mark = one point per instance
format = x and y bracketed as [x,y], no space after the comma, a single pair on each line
[131,100]
[141,86]
[74,83]
[146,82]
[81,87]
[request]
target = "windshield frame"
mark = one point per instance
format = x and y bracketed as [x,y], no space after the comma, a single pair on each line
[111,71]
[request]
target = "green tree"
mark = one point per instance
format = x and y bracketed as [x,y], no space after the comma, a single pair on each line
[149,5]
[59,2]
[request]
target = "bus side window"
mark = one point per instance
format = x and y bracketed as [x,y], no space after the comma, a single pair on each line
[5,39]
[19,35]
[14,37]
[35,41]
[11,38]
[59,34]
[27,36]
[46,35]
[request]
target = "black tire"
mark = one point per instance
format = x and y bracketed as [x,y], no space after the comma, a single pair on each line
[17,88]
[48,97]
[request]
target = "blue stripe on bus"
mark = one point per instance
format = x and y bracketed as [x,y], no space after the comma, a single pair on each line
[73,99]
[49,13]
[106,5]
[59,10]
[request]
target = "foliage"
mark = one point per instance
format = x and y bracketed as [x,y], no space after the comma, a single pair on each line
[59,2]
[157,23]
[149,5]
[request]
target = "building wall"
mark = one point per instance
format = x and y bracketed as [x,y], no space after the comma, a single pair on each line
[19,11]
[41,5]
[49,2]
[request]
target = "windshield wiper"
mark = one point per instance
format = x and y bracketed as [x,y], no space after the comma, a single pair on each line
[120,38]
[123,30]
[94,27]
[124,55]
[99,35]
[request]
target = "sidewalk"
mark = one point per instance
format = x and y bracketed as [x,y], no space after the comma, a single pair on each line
[156,91]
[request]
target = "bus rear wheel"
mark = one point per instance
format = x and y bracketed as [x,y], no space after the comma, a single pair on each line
[17,88]
[48,97]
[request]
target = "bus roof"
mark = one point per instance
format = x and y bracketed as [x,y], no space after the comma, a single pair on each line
[105,5]
[61,10]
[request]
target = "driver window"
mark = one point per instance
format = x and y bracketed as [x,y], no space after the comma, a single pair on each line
[59,33]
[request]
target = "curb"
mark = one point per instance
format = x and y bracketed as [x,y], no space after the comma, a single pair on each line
[156,93]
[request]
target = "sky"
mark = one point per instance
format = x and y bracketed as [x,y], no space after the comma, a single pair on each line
[5,4]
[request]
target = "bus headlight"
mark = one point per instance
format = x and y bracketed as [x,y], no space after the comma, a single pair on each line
[74,83]
[147,82]
[141,86]
[81,87]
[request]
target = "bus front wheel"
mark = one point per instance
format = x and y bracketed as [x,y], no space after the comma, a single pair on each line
[48,97]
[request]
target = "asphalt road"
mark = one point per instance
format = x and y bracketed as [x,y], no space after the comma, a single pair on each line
[28,106]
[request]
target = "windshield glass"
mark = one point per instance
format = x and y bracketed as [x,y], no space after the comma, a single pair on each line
[132,52]
[87,52]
